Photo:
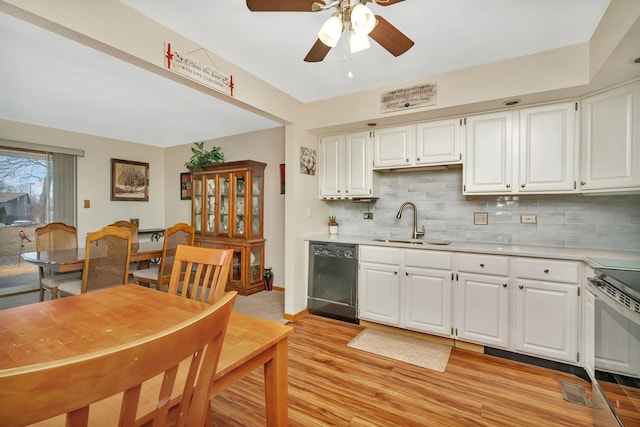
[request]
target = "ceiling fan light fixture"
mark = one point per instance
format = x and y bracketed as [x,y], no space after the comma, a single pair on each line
[362,19]
[358,42]
[330,32]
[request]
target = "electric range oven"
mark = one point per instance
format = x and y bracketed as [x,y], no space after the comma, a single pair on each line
[616,342]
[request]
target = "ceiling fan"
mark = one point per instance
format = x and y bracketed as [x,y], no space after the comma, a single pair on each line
[354,14]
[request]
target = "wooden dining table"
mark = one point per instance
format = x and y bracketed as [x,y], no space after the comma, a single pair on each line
[65,260]
[72,326]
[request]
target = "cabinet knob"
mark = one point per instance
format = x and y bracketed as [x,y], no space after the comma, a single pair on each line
[521,286]
[481,265]
[583,183]
[546,270]
[346,191]
[338,191]
[406,273]
[508,185]
[407,160]
[523,185]
[504,285]
[395,272]
[418,159]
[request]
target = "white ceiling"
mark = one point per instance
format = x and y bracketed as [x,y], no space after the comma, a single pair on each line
[104,96]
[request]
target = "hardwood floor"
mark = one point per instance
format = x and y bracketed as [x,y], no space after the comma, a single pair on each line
[332,384]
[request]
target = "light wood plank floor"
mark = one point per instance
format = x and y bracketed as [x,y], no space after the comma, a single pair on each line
[331,384]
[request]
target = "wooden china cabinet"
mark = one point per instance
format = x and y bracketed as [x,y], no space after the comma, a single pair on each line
[227,211]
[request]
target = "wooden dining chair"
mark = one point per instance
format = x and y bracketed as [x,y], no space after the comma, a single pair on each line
[55,236]
[159,275]
[71,386]
[135,239]
[106,262]
[200,273]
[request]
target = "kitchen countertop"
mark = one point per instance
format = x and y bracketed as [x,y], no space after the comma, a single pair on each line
[575,254]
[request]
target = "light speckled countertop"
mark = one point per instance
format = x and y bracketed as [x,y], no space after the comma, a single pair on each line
[576,254]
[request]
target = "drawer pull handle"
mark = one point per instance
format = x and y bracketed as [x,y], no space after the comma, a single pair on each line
[521,287]
[481,265]
[546,270]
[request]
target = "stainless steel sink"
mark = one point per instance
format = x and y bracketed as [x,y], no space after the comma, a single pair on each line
[413,241]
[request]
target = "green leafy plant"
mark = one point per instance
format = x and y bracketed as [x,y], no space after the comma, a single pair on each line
[332,220]
[202,157]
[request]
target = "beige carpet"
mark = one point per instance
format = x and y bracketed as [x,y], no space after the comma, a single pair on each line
[266,305]
[407,349]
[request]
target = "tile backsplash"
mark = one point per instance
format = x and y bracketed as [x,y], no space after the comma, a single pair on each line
[578,221]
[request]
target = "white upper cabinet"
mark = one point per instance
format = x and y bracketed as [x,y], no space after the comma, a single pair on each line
[394,147]
[611,140]
[345,166]
[439,142]
[531,150]
[547,160]
[488,151]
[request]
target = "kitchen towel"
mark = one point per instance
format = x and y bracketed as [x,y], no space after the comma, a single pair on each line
[404,348]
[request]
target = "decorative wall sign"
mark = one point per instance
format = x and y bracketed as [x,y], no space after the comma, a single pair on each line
[198,66]
[412,97]
[185,186]
[129,181]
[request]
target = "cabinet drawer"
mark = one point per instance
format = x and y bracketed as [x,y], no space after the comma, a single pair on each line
[428,259]
[548,270]
[380,255]
[484,264]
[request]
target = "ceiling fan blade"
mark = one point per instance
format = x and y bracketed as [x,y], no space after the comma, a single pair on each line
[387,2]
[390,38]
[317,52]
[281,5]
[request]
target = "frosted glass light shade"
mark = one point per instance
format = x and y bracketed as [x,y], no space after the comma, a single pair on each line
[330,32]
[362,19]
[358,42]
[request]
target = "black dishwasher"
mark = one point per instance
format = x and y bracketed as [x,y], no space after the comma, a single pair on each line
[333,280]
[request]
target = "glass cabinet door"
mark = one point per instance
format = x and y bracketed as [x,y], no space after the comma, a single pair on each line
[255,266]
[256,194]
[239,203]
[236,266]
[225,204]
[210,185]
[197,204]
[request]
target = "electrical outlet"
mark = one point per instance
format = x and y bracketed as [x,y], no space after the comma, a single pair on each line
[368,215]
[480,218]
[529,219]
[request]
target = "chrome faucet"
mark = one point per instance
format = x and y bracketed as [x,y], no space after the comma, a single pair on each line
[416,234]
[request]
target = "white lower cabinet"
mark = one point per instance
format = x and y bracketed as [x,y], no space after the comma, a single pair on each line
[525,305]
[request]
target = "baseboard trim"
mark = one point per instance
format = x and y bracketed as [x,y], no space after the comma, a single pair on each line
[294,317]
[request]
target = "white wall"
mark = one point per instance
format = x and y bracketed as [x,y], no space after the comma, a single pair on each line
[94,174]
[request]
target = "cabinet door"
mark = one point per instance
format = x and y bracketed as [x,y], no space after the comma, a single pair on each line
[197,203]
[394,147]
[427,300]
[611,140]
[257,205]
[547,320]
[240,204]
[546,162]
[379,293]
[482,314]
[225,206]
[488,151]
[210,202]
[358,171]
[331,166]
[439,142]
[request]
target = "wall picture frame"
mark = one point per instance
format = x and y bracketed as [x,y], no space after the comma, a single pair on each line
[186,190]
[129,181]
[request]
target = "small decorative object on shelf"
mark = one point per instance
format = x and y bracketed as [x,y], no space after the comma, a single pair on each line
[333,225]
[268,278]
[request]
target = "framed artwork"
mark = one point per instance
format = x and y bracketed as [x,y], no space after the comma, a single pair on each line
[129,181]
[282,178]
[307,161]
[185,186]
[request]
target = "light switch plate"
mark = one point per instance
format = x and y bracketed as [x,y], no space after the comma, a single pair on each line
[529,219]
[480,218]
[368,215]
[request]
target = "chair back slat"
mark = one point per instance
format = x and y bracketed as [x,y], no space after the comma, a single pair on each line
[106,258]
[178,234]
[70,386]
[205,273]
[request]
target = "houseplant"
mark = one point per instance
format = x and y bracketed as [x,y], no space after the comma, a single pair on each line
[333,225]
[202,157]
